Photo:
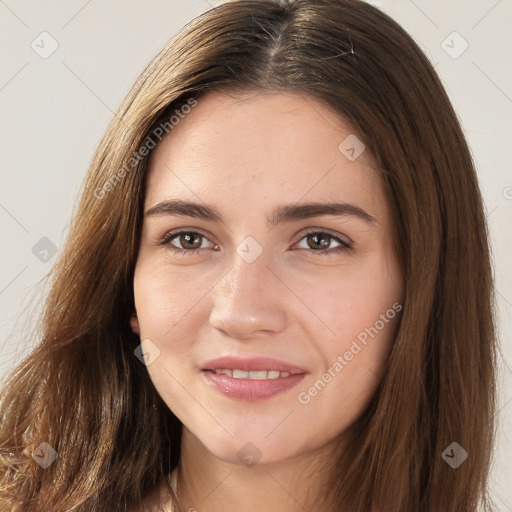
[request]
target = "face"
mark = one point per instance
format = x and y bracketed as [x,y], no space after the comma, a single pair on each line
[266,319]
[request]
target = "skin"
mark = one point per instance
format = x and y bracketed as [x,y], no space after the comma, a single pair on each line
[246,155]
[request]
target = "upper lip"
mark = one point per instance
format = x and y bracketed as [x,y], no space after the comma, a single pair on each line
[251,364]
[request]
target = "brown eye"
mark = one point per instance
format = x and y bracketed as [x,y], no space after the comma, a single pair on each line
[184,242]
[321,242]
[190,241]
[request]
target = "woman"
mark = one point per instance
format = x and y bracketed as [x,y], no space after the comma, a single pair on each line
[276,291]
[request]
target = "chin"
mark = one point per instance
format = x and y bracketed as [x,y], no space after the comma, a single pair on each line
[249,450]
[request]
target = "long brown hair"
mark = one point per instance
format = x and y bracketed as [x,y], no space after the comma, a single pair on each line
[83,391]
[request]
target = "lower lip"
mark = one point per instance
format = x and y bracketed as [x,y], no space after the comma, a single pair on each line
[251,390]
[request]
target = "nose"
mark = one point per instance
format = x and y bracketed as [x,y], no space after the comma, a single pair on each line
[249,301]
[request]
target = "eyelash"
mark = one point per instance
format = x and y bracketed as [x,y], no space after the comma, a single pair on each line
[166,240]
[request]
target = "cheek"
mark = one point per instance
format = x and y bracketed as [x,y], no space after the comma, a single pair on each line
[368,326]
[349,298]
[163,299]
[340,390]
[165,302]
[361,308]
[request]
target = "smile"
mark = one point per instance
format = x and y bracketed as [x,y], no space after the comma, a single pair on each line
[251,379]
[257,375]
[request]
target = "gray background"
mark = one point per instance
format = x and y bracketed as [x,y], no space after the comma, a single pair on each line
[54,111]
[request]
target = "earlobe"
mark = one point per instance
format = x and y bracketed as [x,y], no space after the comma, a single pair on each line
[134,323]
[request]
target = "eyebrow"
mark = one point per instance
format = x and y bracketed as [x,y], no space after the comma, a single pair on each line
[286,213]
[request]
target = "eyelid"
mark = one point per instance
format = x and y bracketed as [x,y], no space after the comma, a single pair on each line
[340,236]
[167,236]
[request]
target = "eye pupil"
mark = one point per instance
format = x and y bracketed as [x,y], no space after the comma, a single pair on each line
[324,244]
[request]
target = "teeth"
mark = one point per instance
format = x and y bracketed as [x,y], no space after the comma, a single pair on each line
[259,374]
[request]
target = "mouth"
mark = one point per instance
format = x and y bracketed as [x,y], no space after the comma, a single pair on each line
[253,375]
[252,379]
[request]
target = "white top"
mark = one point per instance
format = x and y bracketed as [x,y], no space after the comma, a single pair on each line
[174,480]
[153,503]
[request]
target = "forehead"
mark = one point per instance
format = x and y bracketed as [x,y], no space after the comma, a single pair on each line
[262,148]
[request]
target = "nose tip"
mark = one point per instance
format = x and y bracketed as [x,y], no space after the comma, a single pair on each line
[238,325]
[247,302]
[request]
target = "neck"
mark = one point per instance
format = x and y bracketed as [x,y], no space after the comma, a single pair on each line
[209,484]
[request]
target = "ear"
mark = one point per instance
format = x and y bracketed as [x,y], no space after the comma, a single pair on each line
[134,323]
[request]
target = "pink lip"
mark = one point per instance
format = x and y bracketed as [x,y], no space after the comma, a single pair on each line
[251,389]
